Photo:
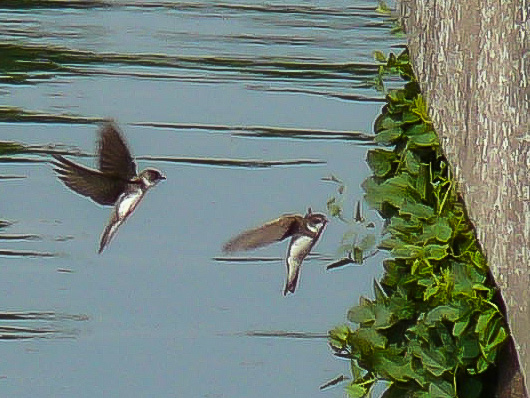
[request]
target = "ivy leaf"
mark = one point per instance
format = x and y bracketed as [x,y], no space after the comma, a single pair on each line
[417,129]
[410,117]
[366,341]
[433,360]
[442,312]
[412,163]
[396,369]
[469,348]
[384,318]
[401,308]
[429,139]
[386,122]
[460,326]
[442,389]
[407,251]
[363,313]
[379,56]
[395,191]
[399,224]
[338,337]
[435,252]
[483,323]
[440,230]
[388,136]
[380,161]
[418,210]
[356,390]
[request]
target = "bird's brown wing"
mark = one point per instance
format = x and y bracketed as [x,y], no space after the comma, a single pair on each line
[273,231]
[99,187]
[114,155]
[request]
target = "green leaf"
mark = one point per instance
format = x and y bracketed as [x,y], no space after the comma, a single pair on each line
[435,252]
[483,323]
[417,129]
[469,348]
[396,369]
[409,117]
[430,291]
[440,230]
[429,252]
[441,389]
[442,312]
[496,334]
[379,56]
[412,163]
[338,337]
[395,191]
[356,391]
[357,371]
[383,317]
[380,161]
[423,181]
[434,362]
[417,210]
[482,365]
[460,326]
[407,252]
[383,8]
[479,260]
[388,136]
[420,108]
[366,340]
[399,224]
[429,139]
[386,122]
[362,314]
[334,208]
[401,308]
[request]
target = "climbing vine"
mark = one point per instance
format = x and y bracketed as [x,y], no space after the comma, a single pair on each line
[433,328]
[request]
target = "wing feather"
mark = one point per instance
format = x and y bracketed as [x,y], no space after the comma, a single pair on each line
[114,156]
[273,231]
[99,187]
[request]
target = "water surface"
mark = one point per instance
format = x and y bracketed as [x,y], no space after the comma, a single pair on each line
[245,106]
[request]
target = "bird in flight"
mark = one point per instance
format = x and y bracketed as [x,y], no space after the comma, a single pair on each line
[303,230]
[117,182]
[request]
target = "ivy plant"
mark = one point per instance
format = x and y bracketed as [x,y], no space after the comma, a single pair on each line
[432,328]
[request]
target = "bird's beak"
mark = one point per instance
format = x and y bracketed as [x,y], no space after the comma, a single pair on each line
[162,177]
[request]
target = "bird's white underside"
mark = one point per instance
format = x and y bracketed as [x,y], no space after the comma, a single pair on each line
[128,202]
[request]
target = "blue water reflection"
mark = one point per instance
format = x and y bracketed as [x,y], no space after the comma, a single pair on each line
[162,317]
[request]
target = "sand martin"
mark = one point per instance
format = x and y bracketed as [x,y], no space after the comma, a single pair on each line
[115,183]
[304,230]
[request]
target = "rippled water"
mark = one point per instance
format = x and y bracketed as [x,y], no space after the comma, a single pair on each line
[245,106]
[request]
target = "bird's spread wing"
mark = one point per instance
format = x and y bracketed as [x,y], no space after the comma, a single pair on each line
[99,187]
[114,155]
[273,231]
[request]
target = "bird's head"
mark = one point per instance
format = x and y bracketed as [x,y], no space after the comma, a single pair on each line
[151,176]
[316,221]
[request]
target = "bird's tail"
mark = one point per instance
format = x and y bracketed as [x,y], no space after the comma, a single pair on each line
[293,270]
[109,232]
